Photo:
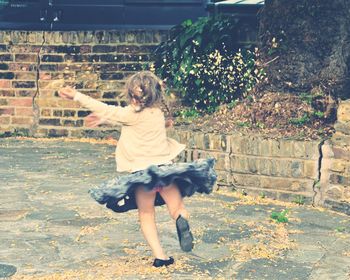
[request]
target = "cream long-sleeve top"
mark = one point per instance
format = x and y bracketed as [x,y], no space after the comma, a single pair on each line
[143,141]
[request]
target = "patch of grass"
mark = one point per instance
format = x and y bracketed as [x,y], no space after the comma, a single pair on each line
[340,229]
[299,199]
[280,217]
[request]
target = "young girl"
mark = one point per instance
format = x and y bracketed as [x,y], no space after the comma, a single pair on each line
[146,154]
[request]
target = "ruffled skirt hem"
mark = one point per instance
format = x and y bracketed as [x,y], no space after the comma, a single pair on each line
[118,194]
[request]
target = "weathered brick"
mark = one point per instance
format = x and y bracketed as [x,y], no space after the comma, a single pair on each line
[110,94]
[31,76]
[104,49]
[136,57]
[52,58]
[5,84]
[343,113]
[311,169]
[7,93]
[82,114]
[48,102]
[67,103]
[4,66]
[7,75]
[110,58]
[285,184]
[3,102]
[22,120]
[297,168]
[24,112]
[51,84]
[57,132]
[54,122]
[48,67]
[22,67]
[238,164]
[334,192]
[7,111]
[69,113]
[26,57]
[340,140]
[114,103]
[340,165]
[340,179]
[73,123]
[111,76]
[22,102]
[244,180]
[341,152]
[45,112]
[25,48]
[223,178]
[4,120]
[25,93]
[6,57]
[343,128]
[3,48]
[23,84]
[128,49]
[128,67]
[62,49]
[57,113]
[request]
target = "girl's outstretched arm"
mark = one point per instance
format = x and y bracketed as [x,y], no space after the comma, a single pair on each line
[107,114]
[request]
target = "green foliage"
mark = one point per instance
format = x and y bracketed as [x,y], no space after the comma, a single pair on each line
[318,114]
[187,115]
[280,217]
[203,62]
[306,97]
[340,229]
[299,199]
[300,121]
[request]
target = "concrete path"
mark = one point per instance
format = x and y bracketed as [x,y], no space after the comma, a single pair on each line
[51,229]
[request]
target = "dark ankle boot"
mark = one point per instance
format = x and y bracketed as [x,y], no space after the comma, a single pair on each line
[159,262]
[184,234]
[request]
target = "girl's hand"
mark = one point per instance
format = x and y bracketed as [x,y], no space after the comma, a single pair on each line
[67,92]
[169,123]
[92,120]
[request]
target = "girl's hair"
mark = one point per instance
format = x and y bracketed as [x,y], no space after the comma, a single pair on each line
[146,88]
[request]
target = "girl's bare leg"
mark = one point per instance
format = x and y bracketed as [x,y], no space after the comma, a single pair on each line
[145,204]
[173,199]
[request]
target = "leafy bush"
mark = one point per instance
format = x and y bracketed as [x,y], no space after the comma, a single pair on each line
[203,62]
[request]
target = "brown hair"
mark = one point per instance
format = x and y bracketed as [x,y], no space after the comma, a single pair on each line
[146,88]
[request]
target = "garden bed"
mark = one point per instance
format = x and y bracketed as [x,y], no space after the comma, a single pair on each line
[277,115]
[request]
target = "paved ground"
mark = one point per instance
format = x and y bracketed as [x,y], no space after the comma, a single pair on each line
[51,229]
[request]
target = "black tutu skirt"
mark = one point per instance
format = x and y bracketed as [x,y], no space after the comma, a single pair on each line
[119,193]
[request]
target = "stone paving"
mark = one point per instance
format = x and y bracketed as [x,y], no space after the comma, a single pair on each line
[51,229]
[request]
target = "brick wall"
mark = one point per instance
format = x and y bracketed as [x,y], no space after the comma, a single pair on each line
[283,169]
[335,179]
[34,65]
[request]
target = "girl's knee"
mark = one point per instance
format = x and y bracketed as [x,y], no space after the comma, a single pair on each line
[146,211]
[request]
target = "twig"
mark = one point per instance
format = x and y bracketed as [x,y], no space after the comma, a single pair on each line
[272,60]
